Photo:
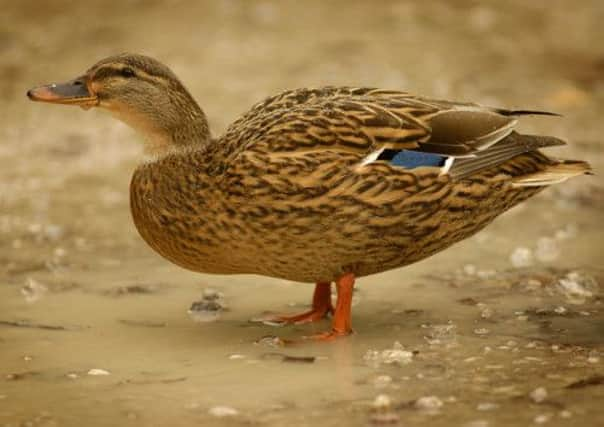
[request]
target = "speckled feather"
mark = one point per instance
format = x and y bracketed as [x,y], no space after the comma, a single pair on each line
[285,192]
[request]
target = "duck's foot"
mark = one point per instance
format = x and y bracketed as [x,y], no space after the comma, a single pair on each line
[321,308]
[297,319]
[342,323]
[328,336]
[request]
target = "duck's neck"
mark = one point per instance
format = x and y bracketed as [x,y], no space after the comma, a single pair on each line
[172,126]
[190,131]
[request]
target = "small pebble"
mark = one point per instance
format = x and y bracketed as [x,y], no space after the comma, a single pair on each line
[270,341]
[469,269]
[382,401]
[565,414]
[223,411]
[521,257]
[33,290]
[395,355]
[542,418]
[59,252]
[481,331]
[97,371]
[538,395]
[577,287]
[487,313]
[72,375]
[428,403]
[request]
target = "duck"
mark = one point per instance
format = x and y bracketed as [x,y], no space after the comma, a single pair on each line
[314,185]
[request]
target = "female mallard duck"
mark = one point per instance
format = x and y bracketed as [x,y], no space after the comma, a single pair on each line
[313,185]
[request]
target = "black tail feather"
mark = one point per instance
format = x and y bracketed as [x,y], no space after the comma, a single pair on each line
[505,112]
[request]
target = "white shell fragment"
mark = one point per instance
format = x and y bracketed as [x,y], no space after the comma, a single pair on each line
[382,401]
[223,411]
[538,395]
[395,355]
[521,257]
[33,290]
[577,287]
[428,403]
[98,372]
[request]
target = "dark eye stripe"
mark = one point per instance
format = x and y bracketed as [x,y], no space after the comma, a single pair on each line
[127,72]
[105,72]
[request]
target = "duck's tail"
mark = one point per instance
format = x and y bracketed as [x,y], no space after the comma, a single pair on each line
[558,171]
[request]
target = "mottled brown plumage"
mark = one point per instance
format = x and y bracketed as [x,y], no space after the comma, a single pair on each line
[297,188]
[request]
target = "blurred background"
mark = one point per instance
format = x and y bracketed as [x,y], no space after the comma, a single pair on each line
[505,329]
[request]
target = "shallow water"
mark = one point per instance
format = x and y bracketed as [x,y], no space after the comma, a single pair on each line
[490,334]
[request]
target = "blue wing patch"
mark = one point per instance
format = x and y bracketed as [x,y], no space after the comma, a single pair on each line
[413,159]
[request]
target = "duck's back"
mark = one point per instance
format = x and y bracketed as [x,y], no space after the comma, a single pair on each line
[313,183]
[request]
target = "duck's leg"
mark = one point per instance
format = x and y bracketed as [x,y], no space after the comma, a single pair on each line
[321,307]
[342,319]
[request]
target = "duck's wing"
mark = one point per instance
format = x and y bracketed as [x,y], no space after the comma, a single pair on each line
[370,121]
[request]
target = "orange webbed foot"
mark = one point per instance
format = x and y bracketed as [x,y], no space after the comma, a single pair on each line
[328,335]
[298,319]
[321,308]
[342,323]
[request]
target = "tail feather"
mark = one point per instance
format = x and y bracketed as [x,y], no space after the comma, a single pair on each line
[554,174]
[511,146]
[508,113]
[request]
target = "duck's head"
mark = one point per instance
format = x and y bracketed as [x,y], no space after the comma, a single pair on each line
[141,92]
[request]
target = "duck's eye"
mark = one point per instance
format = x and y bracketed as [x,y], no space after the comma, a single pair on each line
[127,72]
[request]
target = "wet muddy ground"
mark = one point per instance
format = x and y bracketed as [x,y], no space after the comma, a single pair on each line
[506,328]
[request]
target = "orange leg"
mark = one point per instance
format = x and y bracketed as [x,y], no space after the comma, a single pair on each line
[342,319]
[321,307]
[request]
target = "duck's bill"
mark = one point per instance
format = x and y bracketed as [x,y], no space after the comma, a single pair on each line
[74,92]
